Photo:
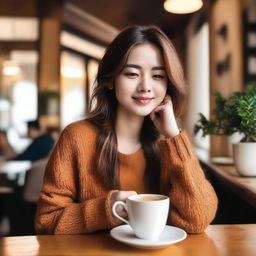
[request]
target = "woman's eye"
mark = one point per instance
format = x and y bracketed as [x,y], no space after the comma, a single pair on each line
[158,76]
[131,74]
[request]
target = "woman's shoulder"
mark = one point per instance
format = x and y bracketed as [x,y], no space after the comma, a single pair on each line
[81,128]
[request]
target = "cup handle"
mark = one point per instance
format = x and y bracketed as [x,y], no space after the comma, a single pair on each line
[115,213]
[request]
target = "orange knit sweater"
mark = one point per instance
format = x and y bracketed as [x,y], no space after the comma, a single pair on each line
[74,200]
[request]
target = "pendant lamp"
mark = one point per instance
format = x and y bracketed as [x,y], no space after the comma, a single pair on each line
[182,6]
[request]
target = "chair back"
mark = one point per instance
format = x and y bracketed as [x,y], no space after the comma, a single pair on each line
[34,181]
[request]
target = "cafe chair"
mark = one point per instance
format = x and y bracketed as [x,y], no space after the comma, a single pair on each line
[22,203]
[34,181]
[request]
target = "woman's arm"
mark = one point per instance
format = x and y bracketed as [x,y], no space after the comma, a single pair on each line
[193,199]
[59,209]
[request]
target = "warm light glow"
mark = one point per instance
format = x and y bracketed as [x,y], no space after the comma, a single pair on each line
[11,71]
[72,88]
[72,72]
[71,66]
[10,68]
[182,6]
[19,28]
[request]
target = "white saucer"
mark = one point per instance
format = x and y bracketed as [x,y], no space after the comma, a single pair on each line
[222,160]
[170,235]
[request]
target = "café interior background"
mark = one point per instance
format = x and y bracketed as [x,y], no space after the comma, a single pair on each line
[50,50]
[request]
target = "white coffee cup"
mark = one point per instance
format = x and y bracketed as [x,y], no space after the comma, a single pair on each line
[147,214]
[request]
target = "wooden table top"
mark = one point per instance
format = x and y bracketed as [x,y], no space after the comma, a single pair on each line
[217,240]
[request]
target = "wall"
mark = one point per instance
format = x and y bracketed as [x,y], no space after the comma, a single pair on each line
[226,75]
[26,8]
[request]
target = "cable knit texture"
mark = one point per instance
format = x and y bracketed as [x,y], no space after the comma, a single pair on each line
[74,200]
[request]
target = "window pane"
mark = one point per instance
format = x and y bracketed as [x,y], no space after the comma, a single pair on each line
[19,89]
[73,92]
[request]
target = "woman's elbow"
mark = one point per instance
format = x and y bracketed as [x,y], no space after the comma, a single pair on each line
[196,222]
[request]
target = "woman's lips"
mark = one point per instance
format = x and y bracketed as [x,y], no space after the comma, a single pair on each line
[142,100]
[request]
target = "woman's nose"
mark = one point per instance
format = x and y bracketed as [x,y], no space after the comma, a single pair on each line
[145,84]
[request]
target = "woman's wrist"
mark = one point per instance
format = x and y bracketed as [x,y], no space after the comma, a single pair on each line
[172,133]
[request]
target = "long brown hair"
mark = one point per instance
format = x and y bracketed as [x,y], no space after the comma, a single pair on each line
[103,113]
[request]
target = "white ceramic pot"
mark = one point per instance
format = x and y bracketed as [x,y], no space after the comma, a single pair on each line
[244,154]
[234,138]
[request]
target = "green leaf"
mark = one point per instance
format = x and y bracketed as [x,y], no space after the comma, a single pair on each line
[234,114]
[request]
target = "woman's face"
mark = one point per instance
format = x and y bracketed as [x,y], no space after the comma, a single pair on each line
[142,84]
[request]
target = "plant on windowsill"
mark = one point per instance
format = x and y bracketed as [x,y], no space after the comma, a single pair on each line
[231,115]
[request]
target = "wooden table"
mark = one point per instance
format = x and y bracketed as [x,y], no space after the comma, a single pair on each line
[217,240]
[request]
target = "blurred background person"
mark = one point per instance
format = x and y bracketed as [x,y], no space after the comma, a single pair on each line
[53,132]
[37,152]
[6,150]
[40,147]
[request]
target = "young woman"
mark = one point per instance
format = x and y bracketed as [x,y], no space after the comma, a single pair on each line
[130,143]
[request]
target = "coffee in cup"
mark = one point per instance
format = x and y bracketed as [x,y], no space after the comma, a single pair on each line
[148,198]
[147,214]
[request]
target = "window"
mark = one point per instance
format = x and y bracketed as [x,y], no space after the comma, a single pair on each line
[73,88]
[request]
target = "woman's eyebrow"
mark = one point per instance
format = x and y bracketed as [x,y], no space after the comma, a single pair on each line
[159,68]
[139,67]
[132,66]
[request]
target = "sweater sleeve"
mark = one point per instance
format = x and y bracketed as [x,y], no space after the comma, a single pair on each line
[193,202]
[59,210]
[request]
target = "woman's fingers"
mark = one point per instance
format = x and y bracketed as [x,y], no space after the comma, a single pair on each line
[157,112]
[121,196]
[164,119]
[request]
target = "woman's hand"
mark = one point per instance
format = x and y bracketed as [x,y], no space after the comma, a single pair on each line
[120,196]
[164,119]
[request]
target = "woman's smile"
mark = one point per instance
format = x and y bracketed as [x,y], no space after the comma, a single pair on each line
[143,100]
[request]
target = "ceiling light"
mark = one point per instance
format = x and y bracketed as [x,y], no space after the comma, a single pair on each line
[182,6]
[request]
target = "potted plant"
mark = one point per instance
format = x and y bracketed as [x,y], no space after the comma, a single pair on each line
[231,115]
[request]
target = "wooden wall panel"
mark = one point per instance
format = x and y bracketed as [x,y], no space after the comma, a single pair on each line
[27,8]
[226,60]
